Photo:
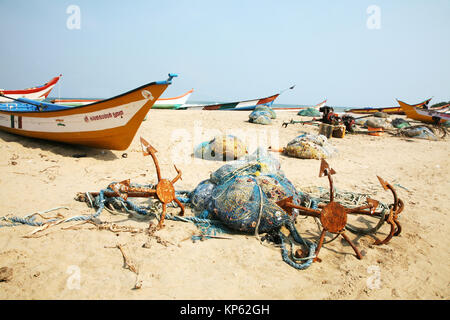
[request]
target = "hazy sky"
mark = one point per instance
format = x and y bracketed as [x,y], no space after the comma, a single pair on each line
[232,50]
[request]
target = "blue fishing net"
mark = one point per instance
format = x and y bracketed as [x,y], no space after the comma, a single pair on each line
[309,112]
[243,194]
[262,115]
[201,198]
[273,114]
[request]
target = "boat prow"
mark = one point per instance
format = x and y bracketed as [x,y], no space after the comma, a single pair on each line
[106,124]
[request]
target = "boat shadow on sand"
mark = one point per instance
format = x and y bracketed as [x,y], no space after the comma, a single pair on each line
[59,148]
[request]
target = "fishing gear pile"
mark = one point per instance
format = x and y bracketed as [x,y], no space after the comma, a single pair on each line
[243,195]
[384,123]
[221,148]
[418,132]
[247,196]
[262,114]
[310,146]
[400,123]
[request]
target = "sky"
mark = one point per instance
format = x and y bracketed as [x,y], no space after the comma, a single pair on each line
[352,52]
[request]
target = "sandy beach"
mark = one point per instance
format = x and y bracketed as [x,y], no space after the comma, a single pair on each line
[85,263]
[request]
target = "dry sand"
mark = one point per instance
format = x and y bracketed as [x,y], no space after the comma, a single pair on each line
[86,264]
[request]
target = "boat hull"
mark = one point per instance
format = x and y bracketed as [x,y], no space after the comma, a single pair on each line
[107,124]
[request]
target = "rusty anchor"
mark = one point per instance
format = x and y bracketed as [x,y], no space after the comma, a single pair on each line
[164,190]
[333,215]
[395,209]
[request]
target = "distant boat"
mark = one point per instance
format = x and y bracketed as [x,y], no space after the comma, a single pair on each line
[317,107]
[370,110]
[416,112]
[107,124]
[38,93]
[173,103]
[161,103]
[241,105]
[393,110]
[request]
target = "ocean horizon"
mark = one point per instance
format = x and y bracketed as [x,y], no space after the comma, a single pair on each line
[207,102]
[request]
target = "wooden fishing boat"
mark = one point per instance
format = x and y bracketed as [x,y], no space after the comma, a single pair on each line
[173,103]
[161,103]
[371,110]
[240,105]
[393,110]
[36,93]
[107,124]
[416,112]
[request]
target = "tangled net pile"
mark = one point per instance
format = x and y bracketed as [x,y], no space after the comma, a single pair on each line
[310,146]
[262,114]
[243,194]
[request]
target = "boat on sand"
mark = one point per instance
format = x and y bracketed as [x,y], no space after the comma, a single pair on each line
[394,110]
[107,124]
[415,112]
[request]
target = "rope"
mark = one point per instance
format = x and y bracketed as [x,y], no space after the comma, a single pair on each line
[284,253]
[260,212]
[29,219]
